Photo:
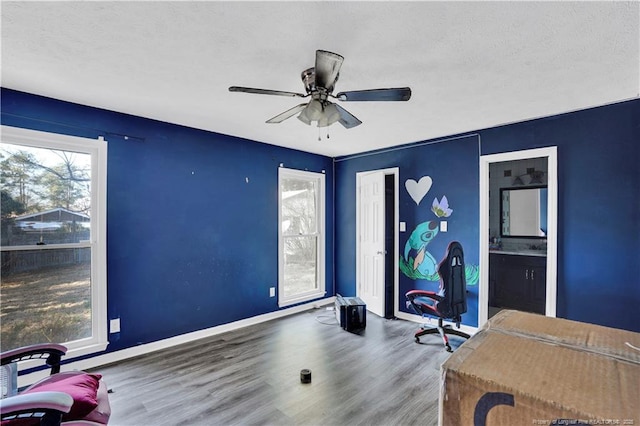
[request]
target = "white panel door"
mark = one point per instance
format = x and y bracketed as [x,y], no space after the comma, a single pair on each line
[371,242]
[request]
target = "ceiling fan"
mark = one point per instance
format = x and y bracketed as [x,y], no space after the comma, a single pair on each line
[319,82]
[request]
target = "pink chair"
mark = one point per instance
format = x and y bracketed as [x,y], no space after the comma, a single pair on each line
[69,398]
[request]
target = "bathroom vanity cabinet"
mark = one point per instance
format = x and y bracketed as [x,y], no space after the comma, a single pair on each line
[517,281]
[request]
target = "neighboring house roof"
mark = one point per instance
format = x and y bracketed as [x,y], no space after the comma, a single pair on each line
[57,215]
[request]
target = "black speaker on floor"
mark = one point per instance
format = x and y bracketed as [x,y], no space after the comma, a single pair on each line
[351,313]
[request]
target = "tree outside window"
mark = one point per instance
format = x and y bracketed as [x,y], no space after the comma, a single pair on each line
[49,258]
[301,236]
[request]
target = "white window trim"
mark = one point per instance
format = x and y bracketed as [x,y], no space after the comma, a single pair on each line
[321,214]
[97,148]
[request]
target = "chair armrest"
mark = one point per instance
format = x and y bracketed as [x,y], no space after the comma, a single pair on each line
[35,402]
[51,351]
[423,293]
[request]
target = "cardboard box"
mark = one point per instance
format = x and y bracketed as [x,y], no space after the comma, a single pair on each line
[528,369]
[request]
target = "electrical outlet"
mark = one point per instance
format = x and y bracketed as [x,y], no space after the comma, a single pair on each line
[114,325]
[272,292]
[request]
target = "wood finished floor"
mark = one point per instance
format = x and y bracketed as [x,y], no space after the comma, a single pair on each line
[252,377]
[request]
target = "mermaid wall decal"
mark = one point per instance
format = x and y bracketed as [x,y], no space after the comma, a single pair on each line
[417,262]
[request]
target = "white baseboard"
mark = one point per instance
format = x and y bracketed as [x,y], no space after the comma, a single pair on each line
[121,355]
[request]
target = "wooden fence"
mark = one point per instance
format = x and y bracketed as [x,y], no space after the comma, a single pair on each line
[31,260]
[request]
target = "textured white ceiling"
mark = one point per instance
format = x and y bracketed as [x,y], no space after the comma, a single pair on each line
[471,65]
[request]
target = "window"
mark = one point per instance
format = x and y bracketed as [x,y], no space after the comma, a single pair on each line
[302,240]
[53,244]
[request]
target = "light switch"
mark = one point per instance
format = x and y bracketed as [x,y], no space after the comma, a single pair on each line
[443,226]
[403,226]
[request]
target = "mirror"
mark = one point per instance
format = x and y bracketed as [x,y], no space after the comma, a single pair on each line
[523,212]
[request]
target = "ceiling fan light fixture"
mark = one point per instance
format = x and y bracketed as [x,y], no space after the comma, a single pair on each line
[331,115]
[314,110]
[323,122]
[304,117]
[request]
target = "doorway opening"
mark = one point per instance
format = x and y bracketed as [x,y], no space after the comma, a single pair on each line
[377,240]
[518,257]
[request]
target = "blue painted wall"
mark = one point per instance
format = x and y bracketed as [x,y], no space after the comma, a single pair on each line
[452,166]
[598,205]
[190,243]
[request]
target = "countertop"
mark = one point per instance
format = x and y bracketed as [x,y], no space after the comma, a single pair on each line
[527,252]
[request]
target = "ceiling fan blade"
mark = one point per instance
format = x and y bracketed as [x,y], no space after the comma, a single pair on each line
[265,91]
[396,94]
[287,114]
[347,119]
[327,69]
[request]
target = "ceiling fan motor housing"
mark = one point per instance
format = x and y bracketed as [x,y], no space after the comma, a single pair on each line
[309,79]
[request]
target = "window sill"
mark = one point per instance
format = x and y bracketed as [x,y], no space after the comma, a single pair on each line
[71,353]
[302,298]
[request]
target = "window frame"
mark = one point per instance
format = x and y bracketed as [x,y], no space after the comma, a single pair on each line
[319,180]
[97,149]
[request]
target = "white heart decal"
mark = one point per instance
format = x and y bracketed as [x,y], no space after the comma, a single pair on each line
[419,189]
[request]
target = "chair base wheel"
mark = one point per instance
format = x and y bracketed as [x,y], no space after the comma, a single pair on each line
[443,331]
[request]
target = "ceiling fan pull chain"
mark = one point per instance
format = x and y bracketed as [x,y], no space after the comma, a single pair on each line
[319,134]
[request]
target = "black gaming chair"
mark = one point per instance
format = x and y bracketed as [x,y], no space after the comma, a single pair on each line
[450,302]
